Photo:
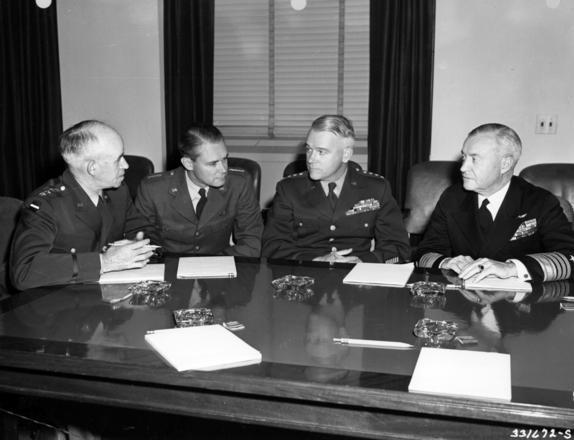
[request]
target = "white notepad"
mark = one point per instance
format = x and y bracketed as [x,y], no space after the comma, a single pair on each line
[513,284]
[206,267]
[206,348]
[379,274]
[462,373]
[153,272]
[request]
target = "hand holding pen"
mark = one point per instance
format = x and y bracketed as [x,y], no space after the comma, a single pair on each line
[126,254]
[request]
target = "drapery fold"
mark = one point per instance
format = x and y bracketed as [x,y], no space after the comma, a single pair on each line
[400,98]
[188,59]
[30,99]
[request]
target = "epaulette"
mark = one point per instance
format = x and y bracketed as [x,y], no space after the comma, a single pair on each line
[371,174]
[55,190]
[155,175]
[237,170]
[290,176]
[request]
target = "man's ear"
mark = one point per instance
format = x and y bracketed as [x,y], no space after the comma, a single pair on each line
[91,166]
[506,164]
[347,153]
[187,163]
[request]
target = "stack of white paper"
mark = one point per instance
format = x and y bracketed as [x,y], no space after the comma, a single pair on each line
[206,267]
[462,373]
[153,272]
[513,284]
[379,274]
[206,348]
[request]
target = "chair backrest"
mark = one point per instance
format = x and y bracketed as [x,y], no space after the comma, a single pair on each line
[567,208]
[300,165]
[252,168]
[558,178]
[426,181]
[9,209]
[140,167]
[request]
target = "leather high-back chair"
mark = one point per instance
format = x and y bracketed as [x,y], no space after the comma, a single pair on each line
[300,165]
[252,168]
[426,181]
[558,178]
[9,209]
[139,167]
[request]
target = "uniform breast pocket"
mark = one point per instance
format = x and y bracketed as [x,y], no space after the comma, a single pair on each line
[362,225]
[525,242]
[176,231]
[222,223]
[305,227]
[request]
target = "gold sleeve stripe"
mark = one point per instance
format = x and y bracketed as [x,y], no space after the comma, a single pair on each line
[428,259]
[393,260]
[554,265]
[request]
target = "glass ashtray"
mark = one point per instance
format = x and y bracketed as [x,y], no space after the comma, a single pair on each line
[435,332]
[193,317]
[293,288]
[428,288]
[428,301]
[150,293]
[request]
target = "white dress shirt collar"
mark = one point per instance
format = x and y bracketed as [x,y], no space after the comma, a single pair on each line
[495,200]
[194,190]
[339,182]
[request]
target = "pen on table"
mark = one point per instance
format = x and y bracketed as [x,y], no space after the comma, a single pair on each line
[162,330]
[447,286]
[373,343]
[124,242]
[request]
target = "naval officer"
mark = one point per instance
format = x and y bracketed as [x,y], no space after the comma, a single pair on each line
[495,223]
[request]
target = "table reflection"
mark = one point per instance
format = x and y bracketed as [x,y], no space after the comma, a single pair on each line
[296,337]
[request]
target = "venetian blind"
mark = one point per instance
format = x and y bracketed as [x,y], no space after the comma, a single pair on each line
[277,69]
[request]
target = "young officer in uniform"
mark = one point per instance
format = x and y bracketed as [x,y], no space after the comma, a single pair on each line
[66,225]
[333,211]
[196,208]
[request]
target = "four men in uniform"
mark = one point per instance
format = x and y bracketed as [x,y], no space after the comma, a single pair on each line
[83,223]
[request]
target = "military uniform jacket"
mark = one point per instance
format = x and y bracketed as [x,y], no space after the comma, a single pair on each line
[59,236]
[302,224]
[530,226]
[165,202]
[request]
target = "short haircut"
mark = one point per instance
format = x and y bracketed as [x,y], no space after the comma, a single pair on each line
[195,137]
[336,124]
[505,137]
[75,138]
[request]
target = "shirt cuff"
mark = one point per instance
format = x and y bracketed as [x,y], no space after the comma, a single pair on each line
[443,261]
[521,271]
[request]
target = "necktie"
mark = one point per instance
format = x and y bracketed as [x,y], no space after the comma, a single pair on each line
[332,196]
[201,203]
[484,217]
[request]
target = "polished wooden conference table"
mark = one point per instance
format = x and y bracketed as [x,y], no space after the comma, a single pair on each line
[66,344]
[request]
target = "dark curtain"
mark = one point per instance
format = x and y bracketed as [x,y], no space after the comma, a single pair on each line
[188,59]
[400,103]
[30,103]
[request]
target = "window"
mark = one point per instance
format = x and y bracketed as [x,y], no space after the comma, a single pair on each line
[277,69]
